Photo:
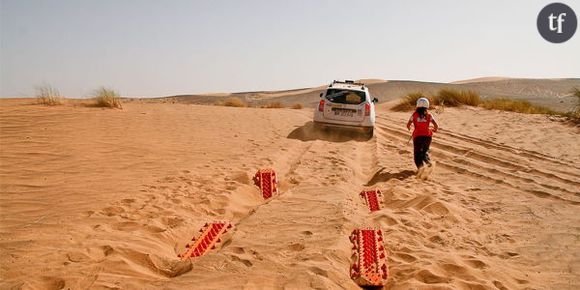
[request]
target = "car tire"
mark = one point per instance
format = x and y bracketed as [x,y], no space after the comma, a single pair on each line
[369,133]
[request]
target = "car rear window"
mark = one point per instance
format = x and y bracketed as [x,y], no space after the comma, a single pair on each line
[345,96]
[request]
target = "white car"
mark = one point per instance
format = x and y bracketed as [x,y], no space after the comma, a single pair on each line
[347,105]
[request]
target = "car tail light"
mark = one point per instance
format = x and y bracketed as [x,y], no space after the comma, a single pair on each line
[321,106]
[367,109]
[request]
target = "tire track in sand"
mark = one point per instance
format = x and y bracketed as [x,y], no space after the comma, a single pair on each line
[498,168]
[514,153]
[309,221]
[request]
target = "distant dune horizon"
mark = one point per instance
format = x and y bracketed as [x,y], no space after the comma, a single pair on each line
[553,93]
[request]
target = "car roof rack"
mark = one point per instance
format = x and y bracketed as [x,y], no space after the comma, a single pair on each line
[348,82]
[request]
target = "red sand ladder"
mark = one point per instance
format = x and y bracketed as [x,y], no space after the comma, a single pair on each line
[207,240]
[369,260]
[265,179]
[373,199]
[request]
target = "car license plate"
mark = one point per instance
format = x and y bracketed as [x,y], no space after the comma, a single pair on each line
[344,113]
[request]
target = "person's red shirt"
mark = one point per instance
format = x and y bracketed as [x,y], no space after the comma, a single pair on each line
[421,125]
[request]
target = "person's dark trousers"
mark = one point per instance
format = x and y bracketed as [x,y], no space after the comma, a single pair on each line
[421,149]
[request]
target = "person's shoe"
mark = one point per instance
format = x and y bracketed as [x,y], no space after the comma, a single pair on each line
[420,171]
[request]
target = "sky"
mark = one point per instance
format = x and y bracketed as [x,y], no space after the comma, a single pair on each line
[145,48]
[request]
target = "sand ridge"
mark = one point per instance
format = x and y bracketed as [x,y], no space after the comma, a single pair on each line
[555,94]
[107,199]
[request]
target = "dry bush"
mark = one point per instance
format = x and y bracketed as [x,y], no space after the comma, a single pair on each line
[49,96]
[275,105]
[576,93]
[297,106]
[408,103]
[453,98]
[440,109]
[444,98]
[232,102]
[107,98]
[519,106]
[574,114]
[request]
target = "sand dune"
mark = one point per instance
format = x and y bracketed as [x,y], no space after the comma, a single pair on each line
[94,198]
[480,80]
[552,93]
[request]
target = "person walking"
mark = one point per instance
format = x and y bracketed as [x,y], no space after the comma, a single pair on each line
[421,120]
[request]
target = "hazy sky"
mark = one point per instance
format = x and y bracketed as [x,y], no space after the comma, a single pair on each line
[157,48]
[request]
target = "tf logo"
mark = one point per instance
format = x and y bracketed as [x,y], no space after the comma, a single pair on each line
[557,22]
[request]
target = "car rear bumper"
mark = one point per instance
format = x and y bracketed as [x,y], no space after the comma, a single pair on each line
[351,127]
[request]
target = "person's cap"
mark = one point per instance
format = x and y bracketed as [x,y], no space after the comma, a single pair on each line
[423,103]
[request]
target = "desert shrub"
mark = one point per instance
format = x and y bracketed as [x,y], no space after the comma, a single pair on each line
[408,102]
[573,116]
[48,96]
[232,102]
[453,98]
[471,98]
[107,98]
[444,98]
[519,106]
[297,106]
[275,105]
[576,93]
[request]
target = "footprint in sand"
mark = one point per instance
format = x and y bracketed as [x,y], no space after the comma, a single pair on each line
[154,229]
[113,210]
[437,240]
[45,283]
[154,264]
[475,263]
[238,250]
[77,257]
[126,226]
[404,256]
[522,281]
[437,208]
[296,247]
[242,260]
[428,277]
[293,181]
[241,177]
[499,285]
[508,255]
[128,201]
[318,271]
[134,226]
[458,271]
[385,221]
[172,222]
[107,250]
[472,286]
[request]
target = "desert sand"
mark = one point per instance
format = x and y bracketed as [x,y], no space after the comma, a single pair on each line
[106,199]
[481,80]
